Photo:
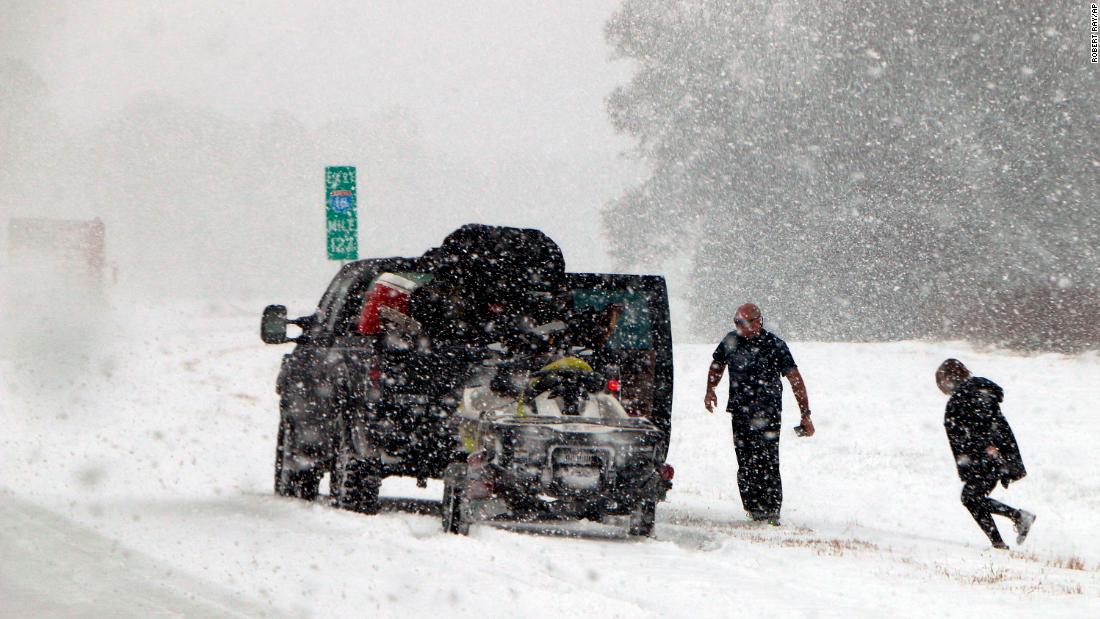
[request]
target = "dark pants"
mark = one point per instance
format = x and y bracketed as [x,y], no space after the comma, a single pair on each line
[975,497]
[758,478]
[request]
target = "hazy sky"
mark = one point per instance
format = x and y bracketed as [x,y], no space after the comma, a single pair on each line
[485,77]
[507,98]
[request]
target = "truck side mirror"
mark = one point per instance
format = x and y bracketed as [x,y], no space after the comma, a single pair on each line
[273,325]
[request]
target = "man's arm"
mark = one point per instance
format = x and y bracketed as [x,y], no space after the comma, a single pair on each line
[713,376]
[798,386]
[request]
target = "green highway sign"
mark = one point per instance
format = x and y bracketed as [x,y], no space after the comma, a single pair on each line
[340,213]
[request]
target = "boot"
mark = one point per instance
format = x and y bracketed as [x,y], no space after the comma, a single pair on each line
[1022,524]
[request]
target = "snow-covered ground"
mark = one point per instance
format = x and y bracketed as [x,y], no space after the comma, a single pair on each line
[135,481]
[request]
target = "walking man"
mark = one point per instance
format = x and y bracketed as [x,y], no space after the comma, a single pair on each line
[984,447]
[756,358]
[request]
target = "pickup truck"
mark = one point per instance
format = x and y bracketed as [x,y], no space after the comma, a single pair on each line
[376,375]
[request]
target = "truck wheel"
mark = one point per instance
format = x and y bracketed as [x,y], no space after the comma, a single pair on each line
[355,483]
[280,484]
[643,518]
[454,521]
[290,481]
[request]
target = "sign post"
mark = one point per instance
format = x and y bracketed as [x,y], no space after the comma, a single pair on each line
[341,220]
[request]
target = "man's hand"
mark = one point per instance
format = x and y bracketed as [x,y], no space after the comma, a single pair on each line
[807,425]
[714,374]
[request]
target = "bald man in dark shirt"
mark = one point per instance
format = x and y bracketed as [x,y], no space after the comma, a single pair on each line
[756,358]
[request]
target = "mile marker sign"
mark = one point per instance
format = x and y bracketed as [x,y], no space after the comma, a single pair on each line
[340,213]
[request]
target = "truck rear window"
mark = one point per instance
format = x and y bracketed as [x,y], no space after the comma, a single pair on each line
[634,330]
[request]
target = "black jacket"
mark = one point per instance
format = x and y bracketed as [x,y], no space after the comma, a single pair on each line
[973,421]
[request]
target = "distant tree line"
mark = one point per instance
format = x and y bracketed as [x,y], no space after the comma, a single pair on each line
[195,202]
[867,170]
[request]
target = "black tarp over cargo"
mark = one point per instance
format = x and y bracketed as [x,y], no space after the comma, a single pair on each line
[485,280]
[497,261]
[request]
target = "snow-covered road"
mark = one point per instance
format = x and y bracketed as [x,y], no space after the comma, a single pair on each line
[137,482]
[53,567]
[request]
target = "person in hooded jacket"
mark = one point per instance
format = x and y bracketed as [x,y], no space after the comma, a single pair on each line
[984,447]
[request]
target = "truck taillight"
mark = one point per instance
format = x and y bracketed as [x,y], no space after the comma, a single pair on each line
[389,290]
[666,472]
[374,374]
[613,385]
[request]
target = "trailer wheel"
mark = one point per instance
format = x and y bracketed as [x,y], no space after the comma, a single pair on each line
[643,518]
[454,519]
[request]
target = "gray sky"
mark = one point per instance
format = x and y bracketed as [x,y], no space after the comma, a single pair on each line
[506,99]
[486,78]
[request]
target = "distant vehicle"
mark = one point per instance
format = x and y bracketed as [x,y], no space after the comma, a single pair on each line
[375,381]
